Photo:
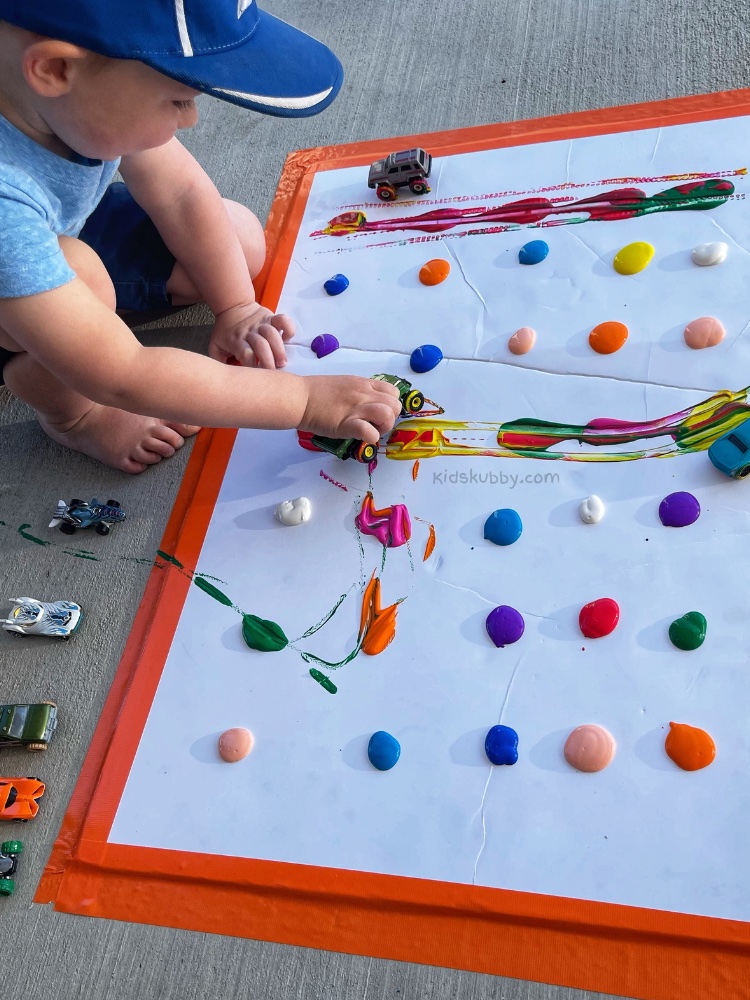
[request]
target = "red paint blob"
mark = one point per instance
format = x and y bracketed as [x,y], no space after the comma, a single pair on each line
[599,617]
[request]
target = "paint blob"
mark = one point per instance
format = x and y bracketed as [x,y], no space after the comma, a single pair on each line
[501,745]
[377,626]
[235,744]
[291,512]
[265,636]
[589,748]
[434,271]
[325,682]
[608,337]
[324,344]
[599,618]
[706,331]
[383,750]
[503,527]
[337,284]
[689,747]
[504,625]
[688,632]
[591,510]
[678,510]
[425,358]
[533,252]
[522,340]
[633,258]
[391,525]
[706,254]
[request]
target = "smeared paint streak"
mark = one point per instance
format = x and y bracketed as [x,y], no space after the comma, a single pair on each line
[334,481]
[377,627]
[29,537]
[690,430]
[314,628]
[430,546]
[391,525]
[208,588]
[415,470]
[81,554]
[325,682]
[608,206]
[689,747]
[170,559]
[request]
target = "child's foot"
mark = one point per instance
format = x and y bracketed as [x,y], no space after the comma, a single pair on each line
[120,439]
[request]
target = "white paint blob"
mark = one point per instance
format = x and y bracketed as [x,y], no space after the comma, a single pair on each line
[706,254]
[591,509]
[293,511]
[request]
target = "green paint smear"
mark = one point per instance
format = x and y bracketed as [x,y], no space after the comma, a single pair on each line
[325,682]
[208,588]
[170,559]
[689,631]
[265,636]
[81,554]
[31,538]
[311,658]
[331,613]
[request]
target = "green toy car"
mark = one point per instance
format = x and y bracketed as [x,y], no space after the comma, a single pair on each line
[9,851]
[32,726]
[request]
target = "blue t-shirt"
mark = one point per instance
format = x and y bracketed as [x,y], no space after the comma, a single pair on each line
[42,196]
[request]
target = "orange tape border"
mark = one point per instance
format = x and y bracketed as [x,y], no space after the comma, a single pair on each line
[638,952]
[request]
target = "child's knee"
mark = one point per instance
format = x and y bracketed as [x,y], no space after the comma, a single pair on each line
[89,268]
[250,233]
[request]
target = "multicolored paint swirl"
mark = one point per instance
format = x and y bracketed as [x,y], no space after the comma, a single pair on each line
[619,203]
[690,430]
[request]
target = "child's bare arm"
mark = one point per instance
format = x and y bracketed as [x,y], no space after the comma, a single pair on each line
[186,208]
[76,337]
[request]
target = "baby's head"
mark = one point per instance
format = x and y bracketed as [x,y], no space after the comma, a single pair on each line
[110,77]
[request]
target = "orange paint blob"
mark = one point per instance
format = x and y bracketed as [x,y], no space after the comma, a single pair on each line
[434,271]
[606,338]
[377,626]
[415,470]
[689,747]
[430,546]
[235,744]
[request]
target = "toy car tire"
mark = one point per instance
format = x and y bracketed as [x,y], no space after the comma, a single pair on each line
[11,847]
[75,502]
[418,187]
[67,529]
[113,503]
[386,193]
[101,529]
[365,453]
[36,746]
[744,471]
[414,402]
[7,886]
[16,635]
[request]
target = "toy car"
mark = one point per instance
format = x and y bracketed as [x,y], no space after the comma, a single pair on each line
[19,798]
[32,726]
[32,617]
[731,452]
[409,168]
[79,514]
[9,852]
[412,401]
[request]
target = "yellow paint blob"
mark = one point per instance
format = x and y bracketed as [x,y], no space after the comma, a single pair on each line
[689,747]
[633,258]
[235,744]
[434,271]
[606,338]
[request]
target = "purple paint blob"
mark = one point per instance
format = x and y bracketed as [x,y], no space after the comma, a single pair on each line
[324,343]
[504,625]
[678,510]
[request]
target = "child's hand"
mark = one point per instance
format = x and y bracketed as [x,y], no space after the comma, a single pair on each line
[348,406]
[251,334]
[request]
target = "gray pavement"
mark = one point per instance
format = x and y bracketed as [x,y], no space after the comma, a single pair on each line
[412,66]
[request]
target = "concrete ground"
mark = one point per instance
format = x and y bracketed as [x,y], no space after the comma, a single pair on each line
[412,66]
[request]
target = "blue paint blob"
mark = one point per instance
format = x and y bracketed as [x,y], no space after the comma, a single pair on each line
[337,284]
[425,358]
[383,750]
[324,343]
[501,745]
[503,527]
[533,253]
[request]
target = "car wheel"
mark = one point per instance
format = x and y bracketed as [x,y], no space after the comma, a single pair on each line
[11,847]
[386,193]
[744,471]
[414,401]
[7,886]
[418,187]
[102,529]
[36,746]
[75,502]
[113,503]
[16,635]
[365,453]
[67,529]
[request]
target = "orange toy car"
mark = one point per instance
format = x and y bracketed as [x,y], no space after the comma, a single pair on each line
[19,798]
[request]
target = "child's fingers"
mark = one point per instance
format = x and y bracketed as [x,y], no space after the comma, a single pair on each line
[284,325]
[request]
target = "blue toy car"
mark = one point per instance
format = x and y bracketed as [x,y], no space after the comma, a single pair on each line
[731,452]
[79,514]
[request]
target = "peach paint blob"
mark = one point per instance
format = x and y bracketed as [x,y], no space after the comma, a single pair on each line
[689,747]
[608,337]
[706,331]
[235,744]
[434,271]
[522,340]
[589,748]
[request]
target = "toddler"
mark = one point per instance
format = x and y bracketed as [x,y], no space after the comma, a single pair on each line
[88,87]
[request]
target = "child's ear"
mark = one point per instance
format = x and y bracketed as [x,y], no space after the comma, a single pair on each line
[49,66]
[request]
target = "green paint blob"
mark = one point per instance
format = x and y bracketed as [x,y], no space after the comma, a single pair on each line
[265,636]
[325,682]
[689,631]
[208,588]
[170,559]
[31,538]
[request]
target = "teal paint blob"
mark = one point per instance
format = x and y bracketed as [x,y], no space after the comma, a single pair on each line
[501,745]
[383,750]
[503,527]
[533,252]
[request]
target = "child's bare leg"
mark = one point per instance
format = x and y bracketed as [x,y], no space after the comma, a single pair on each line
[123,440]
[250,233]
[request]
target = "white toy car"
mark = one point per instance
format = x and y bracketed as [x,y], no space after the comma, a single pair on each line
[32,617]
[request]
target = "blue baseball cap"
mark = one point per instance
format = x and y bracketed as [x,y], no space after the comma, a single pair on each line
[227,48]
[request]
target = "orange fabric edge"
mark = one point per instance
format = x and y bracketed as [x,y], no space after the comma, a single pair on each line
[567,942]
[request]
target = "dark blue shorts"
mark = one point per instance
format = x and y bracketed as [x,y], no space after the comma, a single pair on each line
[131,249]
